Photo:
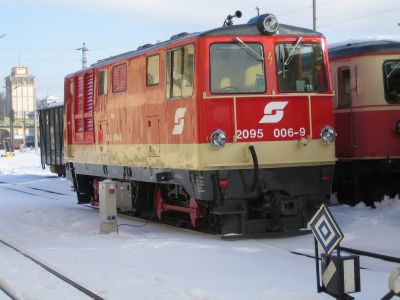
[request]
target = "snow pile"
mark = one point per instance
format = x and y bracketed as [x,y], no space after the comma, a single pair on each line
[22,163]
[371,229]
[162,262]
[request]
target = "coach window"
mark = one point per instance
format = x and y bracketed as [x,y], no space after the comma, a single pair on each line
[102,87]
[180,68]
[153,70]
[391,73]
[119,78]
[237,68]
[344,88]
[301,67]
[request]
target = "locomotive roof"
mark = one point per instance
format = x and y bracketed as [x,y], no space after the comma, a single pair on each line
[251,29]
[241,29]
[363,46]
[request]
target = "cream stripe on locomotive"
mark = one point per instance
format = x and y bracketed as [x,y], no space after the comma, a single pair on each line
[204,157]
[369,108]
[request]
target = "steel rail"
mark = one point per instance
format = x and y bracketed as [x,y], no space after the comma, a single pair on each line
[371,254]
[9,293]
[54,272]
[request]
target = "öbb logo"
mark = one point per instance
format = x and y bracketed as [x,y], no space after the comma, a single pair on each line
[179,120]
[273,112]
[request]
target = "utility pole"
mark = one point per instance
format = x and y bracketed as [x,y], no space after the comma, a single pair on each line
[84,59]
[314,12]
[11,130]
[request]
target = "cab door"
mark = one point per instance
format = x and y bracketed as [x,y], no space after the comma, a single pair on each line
[343,113]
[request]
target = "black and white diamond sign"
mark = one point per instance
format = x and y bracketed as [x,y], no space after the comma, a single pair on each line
[325,229]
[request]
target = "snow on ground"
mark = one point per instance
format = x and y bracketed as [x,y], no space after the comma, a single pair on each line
[162,262]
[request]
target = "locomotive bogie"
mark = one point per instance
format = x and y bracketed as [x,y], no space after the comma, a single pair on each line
[229,127]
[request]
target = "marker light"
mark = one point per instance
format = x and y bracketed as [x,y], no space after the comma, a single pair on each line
[218,138]
[328,135]
[223,183]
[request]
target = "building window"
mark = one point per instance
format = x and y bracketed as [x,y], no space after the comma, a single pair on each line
[102,87]
[344,88]
[180,68]
[153,70]
[391,74]
[119,78]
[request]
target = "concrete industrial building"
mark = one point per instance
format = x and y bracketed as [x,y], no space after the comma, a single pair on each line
[20,92]
[20,105]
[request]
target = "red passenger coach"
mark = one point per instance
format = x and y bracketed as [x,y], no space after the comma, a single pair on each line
[229,128]
[366,77]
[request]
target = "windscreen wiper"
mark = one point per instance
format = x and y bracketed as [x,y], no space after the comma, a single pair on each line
[396,66]
[289,58]
[251,51]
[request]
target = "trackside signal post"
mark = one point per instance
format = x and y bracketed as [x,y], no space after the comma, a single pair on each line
[340,274]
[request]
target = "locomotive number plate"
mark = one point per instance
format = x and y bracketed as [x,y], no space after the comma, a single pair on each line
[244,134]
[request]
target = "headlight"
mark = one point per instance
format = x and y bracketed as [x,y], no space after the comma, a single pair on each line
[266,23]
[218,138]
[328,135]
[269,24]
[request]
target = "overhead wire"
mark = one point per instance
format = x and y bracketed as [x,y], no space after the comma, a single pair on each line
[304,8]
[360,17]
[65,49]
[130,45]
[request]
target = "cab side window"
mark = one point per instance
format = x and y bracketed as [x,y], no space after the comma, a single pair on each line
[153,70]
[180,72]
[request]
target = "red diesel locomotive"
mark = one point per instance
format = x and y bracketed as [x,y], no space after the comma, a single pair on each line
[366,78]
[229,128]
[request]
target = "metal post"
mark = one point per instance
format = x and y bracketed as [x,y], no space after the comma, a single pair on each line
[340,272]
[84,59]
[314,15]
[35,115]
[12,130]
[24,126]
[317,265]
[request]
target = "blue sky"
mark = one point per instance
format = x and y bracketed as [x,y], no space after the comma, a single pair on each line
[43,34]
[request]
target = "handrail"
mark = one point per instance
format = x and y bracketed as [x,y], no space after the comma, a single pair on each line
[205,96]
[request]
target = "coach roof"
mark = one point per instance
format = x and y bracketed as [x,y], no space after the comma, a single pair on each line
[364,46]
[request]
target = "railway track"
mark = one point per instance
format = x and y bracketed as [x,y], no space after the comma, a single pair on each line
[29,190]
[202,233]
[9,292]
